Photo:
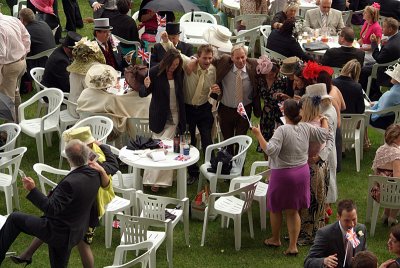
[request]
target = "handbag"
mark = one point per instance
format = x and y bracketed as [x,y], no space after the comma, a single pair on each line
[134,75]
[222,156]
[143,143]
[314,46]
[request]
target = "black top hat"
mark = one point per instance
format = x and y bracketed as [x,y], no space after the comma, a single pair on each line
[172,28]
[70,39]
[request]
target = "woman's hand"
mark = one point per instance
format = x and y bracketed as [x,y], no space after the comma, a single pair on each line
[387,263]
[256,130]
[164,37]
[97,6]
[147,82]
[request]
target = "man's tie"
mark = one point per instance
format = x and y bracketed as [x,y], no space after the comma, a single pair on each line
[324,20]
[239,87]
[199,87]
[349,253]
[105,46]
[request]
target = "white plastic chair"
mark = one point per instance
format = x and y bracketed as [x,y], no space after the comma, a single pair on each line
[136,230]
[123,180]
[353,134]
[243,143]
[249,20]
[265,31]
[47,183]
[100,127]
[139,126]
[42,54]
[374,73]
[12,130]
[248,37]
[16,8]
[389,197]
[37,127]
[198,16]
[8,181]
[231,207]
[66,119]
[143,259]
[336,72]
[37,75]
[155,207]
[392,110]
[272,54]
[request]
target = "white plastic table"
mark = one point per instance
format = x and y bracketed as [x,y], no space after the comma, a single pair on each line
[139,162]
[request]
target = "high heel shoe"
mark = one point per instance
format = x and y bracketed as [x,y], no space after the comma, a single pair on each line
[18,260]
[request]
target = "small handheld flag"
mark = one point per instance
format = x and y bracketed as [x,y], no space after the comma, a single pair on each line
[242,111]
[144,55]
[161,21]
[351,236]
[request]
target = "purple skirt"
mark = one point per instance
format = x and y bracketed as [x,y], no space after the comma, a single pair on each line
[289,188]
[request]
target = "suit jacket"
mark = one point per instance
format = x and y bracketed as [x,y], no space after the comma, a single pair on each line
[117,53]
[389,52]
[339,56]
[328,241]
[67,209]
[352,94]
[124,26]
[314,20]
[225,64]
[286,45]
[390,8]
[55,72]
[159,109]
[159,52]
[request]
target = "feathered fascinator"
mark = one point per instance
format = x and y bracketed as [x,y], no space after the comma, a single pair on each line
[312,70]
[264,65]
[376,5]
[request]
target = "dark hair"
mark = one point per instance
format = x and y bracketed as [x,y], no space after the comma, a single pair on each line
[326,78]
[123,6]
[287,27]
[298,71]
[168,59]
[348,34]
[205,48]
[364,259]
[275,66]
[292,110]
[346,204]
[395,231]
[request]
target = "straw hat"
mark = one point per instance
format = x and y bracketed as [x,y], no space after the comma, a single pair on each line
[394,72]
[101,76]
[81,133]
[102,24]
[317,90]
[219,36]
[289,65]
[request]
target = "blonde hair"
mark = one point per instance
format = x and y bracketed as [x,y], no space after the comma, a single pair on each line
[352,69]
[291,5]
[392,133]
[309,110]
[237,47]
[374,12]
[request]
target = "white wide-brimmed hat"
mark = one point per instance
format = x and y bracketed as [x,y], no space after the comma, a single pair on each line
[101,76]
[394,72]
[317,90]
[219,36]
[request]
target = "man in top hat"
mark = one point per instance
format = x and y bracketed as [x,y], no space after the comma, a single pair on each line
[55,71]
[173,31]
[109,45]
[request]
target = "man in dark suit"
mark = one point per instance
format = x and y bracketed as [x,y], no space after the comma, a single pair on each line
[104,8]
[55,72]
[390,51]
[390,8]
[331,246]
[108,45]
[66,209]
[73,15]
[339,56]
[173,32]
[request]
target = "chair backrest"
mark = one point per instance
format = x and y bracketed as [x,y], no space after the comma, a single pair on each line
[389,190]
[135,15]
[249,37]
[198,16]
[249,20]
[336,72]
[272,54]
[243,180]
[128,42]
[350,123]
[265,31]
[143,259]
[346,15]
[374,72]
[139,126]
[55,97]
[12,131]
[41,170]
[17,8]
[153,206]
[37,75]
[42,54]
[13,162]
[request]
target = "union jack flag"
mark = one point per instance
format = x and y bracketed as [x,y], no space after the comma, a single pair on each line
[242,112]
[144,55]
[352,238]
[162,22]
[182,157]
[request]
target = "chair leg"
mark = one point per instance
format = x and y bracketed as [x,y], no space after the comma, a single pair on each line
[263,214]
[375,211]
[237,222]
[170,246]
[9,202]
[205,222]
[108,228]
[250,216]
[16,196]
[186,224]
[48,137]
[39,147]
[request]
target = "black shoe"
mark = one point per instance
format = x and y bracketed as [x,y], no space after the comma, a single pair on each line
[192,179]
[18,260]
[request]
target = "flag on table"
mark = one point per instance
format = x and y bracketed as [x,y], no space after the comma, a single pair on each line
[352,238]
[242,111]
[161,21]
[144,55]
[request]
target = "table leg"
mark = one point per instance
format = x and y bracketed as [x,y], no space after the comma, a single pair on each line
[181,182]
[138,183]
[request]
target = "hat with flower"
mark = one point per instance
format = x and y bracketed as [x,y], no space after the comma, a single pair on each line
[317,92]
[312,70]
[101,76]
[394,72]
[264,65]
[85,54]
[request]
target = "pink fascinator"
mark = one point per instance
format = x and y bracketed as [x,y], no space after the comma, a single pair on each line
[376,5]
[264,65]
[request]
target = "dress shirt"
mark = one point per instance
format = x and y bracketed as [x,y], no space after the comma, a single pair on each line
[229,88]
[15,40]
[190,84]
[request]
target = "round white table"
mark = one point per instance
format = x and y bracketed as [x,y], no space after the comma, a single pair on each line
[139,162]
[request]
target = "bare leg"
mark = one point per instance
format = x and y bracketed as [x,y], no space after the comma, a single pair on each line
[293,225]
[86,254]
[28,253]
[276,222]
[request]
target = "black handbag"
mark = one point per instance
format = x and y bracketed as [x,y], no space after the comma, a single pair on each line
[222,156]
[314,46]
[143,143]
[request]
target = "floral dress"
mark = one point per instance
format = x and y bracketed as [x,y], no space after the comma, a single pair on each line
[270,117]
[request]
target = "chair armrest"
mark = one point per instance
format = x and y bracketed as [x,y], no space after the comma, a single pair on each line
[257,164]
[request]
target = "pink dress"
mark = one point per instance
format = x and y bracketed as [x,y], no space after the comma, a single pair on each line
[367,30]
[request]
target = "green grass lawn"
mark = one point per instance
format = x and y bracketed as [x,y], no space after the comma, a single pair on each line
[219,247]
